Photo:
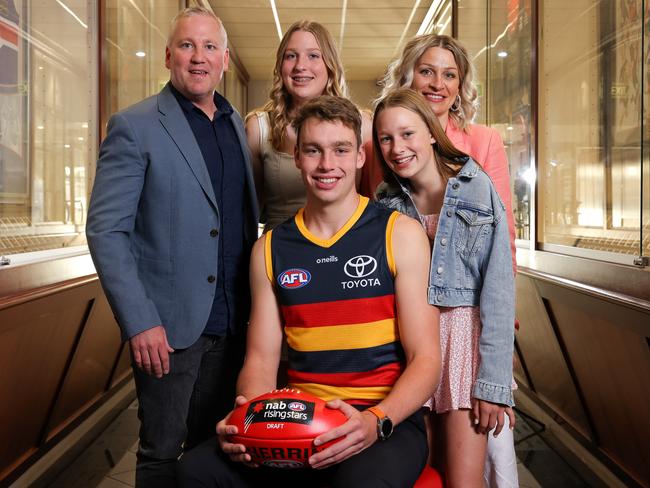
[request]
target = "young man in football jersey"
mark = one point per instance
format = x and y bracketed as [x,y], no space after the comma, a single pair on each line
[347,281]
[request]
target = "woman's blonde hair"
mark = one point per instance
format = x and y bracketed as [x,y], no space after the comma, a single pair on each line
[400,73]
[448,159]
[279,104]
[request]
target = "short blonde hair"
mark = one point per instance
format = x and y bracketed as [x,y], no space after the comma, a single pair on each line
[400,73]
[191,12]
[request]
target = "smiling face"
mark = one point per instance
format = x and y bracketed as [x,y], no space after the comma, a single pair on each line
[197,56]
[303,70]
[405,142]
[328,156]
[436,76]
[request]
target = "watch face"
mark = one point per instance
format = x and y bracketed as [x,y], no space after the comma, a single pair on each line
[386,428]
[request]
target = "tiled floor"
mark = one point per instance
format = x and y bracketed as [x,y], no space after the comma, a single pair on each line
[110,461]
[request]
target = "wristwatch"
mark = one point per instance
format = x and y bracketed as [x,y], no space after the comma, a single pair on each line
[384,423]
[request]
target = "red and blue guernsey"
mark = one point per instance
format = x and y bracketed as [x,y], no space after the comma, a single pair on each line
[337,301]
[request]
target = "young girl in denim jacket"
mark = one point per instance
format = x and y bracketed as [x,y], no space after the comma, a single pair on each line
[471,278]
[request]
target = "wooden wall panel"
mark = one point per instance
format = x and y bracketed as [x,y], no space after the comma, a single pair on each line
[611,362]
[36,342]
[542,354]
[123,366]
[60,356]
[92,363]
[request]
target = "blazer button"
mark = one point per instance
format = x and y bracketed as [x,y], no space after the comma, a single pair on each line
[456,186]
[443,241]
[211,279]
[214,233]
[449,213]
[439,270]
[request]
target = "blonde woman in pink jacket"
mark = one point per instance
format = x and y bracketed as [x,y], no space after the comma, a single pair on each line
[440,69]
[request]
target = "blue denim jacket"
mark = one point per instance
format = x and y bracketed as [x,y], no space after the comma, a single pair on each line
[471,265]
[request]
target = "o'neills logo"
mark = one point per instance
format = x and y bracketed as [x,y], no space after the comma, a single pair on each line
[329,259]
[294,278]
[278,410]
[359,268]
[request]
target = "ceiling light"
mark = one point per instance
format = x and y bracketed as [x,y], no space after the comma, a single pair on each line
[502,54]
[40,127]
[71,12]
[426,22]
[140,54]
[66,146]
[276,18]
[344,10]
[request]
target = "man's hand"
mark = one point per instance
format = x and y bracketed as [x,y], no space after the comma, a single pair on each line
[358,433]
[489,415]
[151,350]
[236,452]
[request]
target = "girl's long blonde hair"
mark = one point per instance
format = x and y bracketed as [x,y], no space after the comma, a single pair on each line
[279,104]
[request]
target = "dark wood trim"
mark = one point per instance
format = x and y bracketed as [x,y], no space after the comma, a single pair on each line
[454,19]
[534,118]
[102,116]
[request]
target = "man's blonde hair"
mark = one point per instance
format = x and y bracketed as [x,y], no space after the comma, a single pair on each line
[191,12]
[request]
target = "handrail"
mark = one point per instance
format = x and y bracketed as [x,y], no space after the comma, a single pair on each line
[594,291]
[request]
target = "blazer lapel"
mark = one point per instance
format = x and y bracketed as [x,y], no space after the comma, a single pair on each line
[173,120]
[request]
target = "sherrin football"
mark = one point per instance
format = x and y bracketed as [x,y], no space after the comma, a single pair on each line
[279,427]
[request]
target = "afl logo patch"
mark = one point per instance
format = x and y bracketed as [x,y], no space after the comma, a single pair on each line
[294,278]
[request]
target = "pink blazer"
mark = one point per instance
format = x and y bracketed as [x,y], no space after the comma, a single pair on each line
[485,146]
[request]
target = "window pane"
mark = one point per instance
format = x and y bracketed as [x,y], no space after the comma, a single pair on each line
[472,32]
[590,115]
[47,107]
[135,36]
[509,98]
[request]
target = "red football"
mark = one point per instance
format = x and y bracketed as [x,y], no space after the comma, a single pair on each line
[279,427]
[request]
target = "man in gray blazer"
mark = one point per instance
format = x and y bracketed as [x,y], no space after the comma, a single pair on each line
[172,219]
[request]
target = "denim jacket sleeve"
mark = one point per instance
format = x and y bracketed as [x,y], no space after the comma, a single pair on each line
[497,309]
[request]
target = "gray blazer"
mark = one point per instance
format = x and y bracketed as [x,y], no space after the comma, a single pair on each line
[152,217]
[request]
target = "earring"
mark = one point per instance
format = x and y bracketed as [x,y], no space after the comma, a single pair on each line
[455,107]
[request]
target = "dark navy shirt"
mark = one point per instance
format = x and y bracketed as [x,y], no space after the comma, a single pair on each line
[225,162]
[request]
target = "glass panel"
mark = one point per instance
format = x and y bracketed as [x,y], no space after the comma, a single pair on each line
[235,89]
[590,116]
[135,35]
[509,99]
[47,121]
[472,32]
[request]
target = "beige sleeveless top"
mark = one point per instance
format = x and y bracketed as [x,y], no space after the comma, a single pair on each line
[284,192]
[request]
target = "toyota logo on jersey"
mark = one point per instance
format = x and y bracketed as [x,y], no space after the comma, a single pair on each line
[360,266]
[294,278]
